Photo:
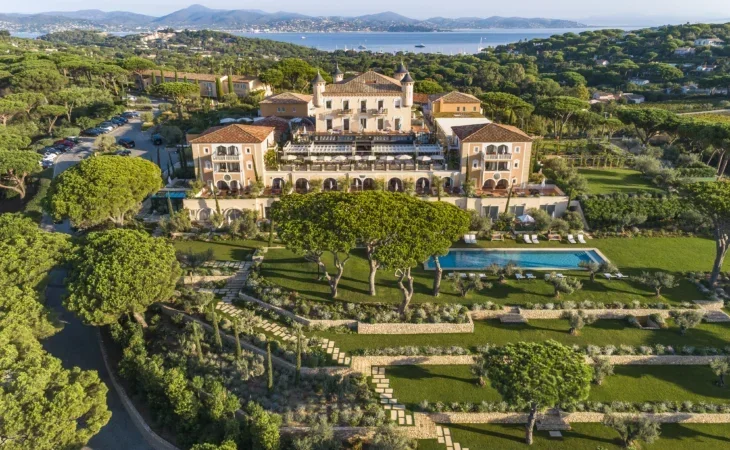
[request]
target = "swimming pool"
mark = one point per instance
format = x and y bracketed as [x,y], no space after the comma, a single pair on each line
[537,259]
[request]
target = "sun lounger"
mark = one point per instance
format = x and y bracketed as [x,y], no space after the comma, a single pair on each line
[472,276]
[608,276]
[526,237]
[519,276]
[497,237]
[534,239]
[571,239]
[482,276]
[467,238]
[619,275]
[473,238]
[554,237]
[581,239]
[559,275]
[530,276]
[462,275]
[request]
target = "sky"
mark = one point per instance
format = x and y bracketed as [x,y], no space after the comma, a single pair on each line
[645,12]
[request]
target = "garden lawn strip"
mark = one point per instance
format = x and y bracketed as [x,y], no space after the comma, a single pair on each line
[582,436]
[601,333]
[632,256]
[223,250]
[635,384]
[607,181]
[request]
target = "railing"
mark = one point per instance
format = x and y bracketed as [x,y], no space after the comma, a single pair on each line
[498,156]
[226,157]
[379,111]
[344,111]
[377,166]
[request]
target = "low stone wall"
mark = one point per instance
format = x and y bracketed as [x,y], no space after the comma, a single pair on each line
[415,328]
[579,417]
[660,360]
[537,314]
[303,320]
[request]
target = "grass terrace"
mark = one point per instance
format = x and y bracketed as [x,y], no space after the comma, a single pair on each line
[583,436]
[632,256]
[447,384]
[602,332]
[224,250]
[607,181]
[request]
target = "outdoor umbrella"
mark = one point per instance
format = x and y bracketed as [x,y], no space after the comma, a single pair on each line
[424,158]
[327,158]
[387,158]
[355,158]
[371,157]
[289,158]
[340,158]
[526,218]
[227,120]
[404,157]
[310,158]
[437,157]
[245,119]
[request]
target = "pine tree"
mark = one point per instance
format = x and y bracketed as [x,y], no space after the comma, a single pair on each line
[269,368]
[298,373]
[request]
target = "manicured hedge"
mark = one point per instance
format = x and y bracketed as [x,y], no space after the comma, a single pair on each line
[616,210]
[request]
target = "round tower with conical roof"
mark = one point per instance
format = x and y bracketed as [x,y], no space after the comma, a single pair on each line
[401,72]
[407,84]
[318,85]
[337,75]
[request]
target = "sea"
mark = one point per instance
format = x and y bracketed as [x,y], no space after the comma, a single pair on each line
[447,42]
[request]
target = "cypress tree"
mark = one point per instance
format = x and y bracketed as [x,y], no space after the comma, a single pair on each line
[176,77]
[230,84]
[169,204]
[197,339]
[162,76]
[271,232]
[154,78]
[218,88]
[269,368]
[218,341]
[185,78]
[298,373]
[236,332]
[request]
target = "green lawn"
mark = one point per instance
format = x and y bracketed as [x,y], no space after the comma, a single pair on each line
[412,384]
[632,256]
[230,250]
[583,436]
[602,332]
[607,181]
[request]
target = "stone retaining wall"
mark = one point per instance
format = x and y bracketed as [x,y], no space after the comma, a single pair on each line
[660,360]
[537,314]
[415,328]
[303,320]
[579,417]
[204,278]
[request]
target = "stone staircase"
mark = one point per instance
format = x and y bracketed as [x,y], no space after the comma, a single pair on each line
[443,435]
[398,413]
[514,316]
[235,283]
[552,421]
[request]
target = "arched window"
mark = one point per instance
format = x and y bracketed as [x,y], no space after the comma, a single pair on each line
[220,150]
[330,184]
[502,149]
[491,149]
[232,150]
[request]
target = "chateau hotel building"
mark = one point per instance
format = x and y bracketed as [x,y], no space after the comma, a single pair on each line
[362,135]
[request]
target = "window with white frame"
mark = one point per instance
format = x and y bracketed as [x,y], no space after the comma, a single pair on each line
[206,150]
[208,165]
[476,149]
[517,164]
[328,104]
[249,166]
[517,149]
[248,150]
[280,109]
[475,164]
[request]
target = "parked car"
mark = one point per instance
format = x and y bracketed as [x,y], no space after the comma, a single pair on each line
[117,121]
[130,114]
[123,152]
[93,131]
[74,139]
[122,118]
[106,128]
[65,142]
[108,123]
[126,142]
[157,139]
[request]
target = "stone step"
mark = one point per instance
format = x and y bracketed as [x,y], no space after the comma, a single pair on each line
[552,425]
[512,318]
[716,316]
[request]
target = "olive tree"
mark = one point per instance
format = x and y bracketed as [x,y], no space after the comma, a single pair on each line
[633,429]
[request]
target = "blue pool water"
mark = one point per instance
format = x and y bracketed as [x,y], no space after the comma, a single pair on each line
[525,259]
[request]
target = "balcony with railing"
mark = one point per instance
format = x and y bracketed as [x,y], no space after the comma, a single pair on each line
[345,112]
[379,111]
[217,157]
[498,156]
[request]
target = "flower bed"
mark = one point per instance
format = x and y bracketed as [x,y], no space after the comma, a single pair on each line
[596,407]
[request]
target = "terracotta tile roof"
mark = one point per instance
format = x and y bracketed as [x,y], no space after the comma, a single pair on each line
[247,134]
[279,125]
[288,97]
[491,132]
[420,98]
[242,78]
[454,97]
[456,115]
[369,83]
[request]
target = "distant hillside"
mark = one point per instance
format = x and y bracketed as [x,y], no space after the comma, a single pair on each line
[201,17]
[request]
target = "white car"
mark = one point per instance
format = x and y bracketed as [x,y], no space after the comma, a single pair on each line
[106,129]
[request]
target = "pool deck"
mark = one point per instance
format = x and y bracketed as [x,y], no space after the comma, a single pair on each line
[523,249]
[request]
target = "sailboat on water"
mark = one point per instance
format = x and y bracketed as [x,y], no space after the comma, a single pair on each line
[481,46]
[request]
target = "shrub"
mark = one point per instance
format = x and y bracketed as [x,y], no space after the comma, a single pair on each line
[632,430]
[686,320]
